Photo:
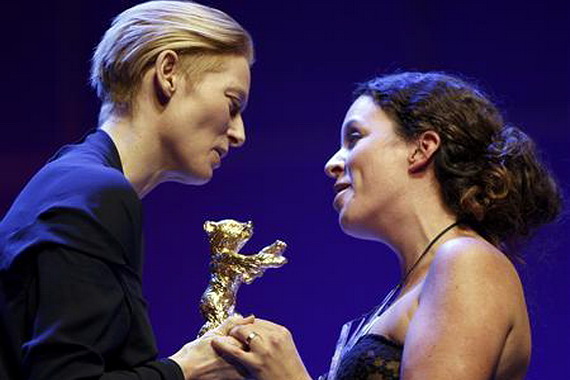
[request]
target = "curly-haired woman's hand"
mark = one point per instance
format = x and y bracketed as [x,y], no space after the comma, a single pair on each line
[269,352]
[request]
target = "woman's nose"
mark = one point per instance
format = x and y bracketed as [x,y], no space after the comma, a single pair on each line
[236,132]
[335,165]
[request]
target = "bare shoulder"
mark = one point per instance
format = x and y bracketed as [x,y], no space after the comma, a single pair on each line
[470,273]
[474,261]
[471,320]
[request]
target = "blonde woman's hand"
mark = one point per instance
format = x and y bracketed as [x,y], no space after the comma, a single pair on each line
[199,361]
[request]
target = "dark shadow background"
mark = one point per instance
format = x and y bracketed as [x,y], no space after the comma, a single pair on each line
[309,56]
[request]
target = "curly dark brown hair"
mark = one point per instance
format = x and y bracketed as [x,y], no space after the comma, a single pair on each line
[489,172]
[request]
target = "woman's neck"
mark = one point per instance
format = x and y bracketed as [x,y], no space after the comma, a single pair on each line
[139,152]
[422,217]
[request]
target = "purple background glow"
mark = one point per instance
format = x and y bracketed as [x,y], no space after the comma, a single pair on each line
[309,56]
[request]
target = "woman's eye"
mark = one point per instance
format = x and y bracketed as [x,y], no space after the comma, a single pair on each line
[352,138]
[233,109]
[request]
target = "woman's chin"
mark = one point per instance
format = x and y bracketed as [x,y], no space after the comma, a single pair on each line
[190,178]
[353,228]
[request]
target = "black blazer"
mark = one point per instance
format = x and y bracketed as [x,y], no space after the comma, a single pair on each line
[70,274]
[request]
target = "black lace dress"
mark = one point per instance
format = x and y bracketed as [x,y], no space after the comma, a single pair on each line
[373,357]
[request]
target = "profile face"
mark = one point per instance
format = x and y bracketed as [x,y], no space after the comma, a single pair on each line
[203,121]
[370,169]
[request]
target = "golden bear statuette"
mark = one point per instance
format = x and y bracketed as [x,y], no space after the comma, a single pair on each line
[229,268]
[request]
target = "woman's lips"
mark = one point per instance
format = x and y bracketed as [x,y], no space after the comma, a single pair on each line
[220,153]
[340,192]
[340,186]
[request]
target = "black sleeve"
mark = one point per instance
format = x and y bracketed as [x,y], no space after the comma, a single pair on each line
[81,318]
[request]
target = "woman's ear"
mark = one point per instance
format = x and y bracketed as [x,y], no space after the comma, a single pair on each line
[167,69]
[423,151]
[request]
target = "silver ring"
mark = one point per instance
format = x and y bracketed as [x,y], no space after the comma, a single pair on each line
[252,335]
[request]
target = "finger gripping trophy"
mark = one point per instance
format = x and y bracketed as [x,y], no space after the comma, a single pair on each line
[229,268]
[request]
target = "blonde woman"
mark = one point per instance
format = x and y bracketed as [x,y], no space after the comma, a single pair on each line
[173,78]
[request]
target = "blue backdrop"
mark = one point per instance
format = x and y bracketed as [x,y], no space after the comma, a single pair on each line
[309,56]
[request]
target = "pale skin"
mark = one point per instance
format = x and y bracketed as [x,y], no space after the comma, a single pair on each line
[180,129]
[198,360]
[461,313]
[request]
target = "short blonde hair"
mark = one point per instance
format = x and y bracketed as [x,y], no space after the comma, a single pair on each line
[138,35]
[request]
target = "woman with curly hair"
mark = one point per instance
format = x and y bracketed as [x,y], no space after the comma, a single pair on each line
[428,167]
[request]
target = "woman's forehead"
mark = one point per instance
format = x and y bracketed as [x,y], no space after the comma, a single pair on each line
[364,112]
[362,106]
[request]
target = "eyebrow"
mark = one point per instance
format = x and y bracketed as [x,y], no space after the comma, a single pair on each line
[351,125]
